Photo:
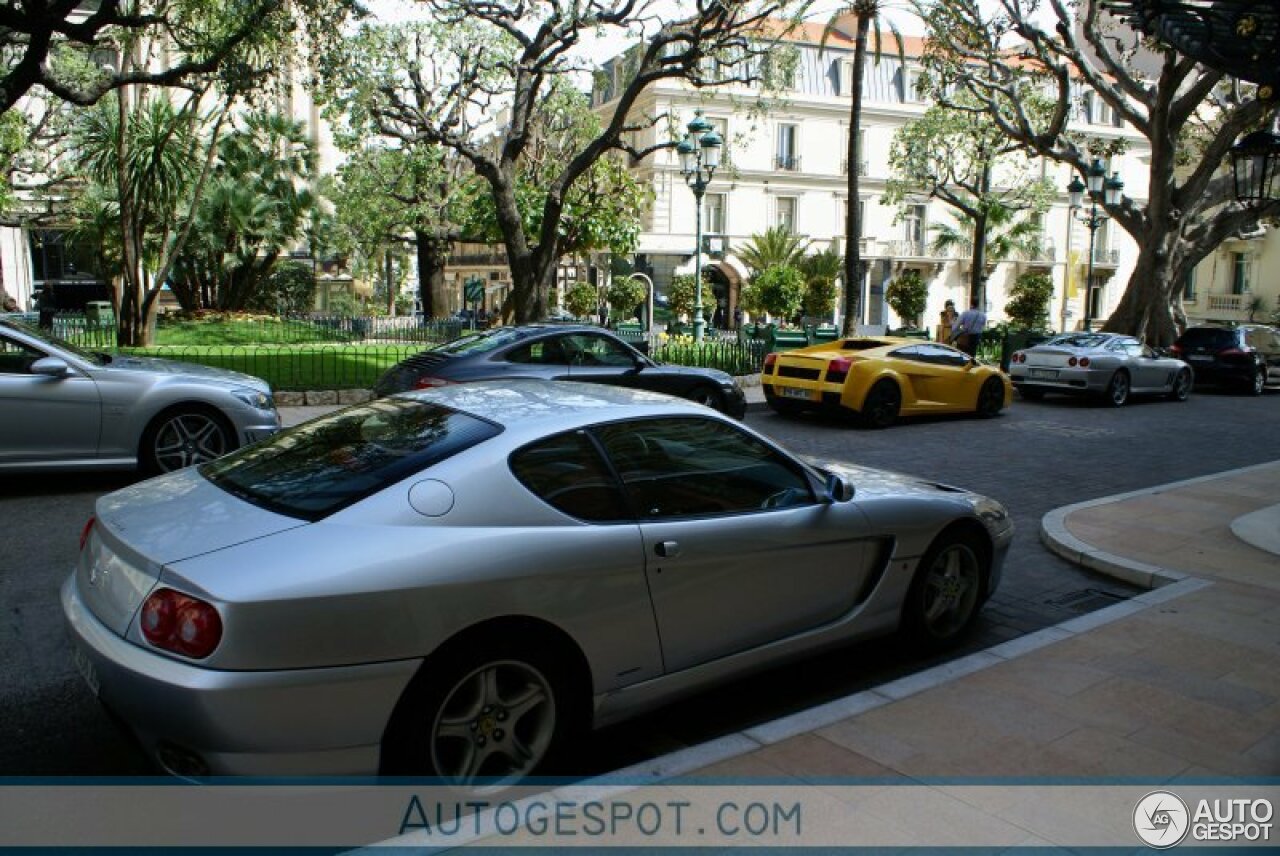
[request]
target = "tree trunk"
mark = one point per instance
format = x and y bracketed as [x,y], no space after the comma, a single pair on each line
[1147,310]
[431,261]
[853,218]
[978,273]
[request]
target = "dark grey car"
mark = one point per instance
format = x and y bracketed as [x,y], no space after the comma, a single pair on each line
[559,352]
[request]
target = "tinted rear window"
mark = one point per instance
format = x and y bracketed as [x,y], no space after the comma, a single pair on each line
[1208,337]
[327,464]
[481,343]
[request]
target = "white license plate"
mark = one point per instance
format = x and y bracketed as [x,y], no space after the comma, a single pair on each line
[85,667]
[1044,374]
[1201,358]
[792,392]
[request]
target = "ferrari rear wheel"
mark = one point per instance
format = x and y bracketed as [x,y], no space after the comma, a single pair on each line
[1117,389]
[882,404]
[991,397]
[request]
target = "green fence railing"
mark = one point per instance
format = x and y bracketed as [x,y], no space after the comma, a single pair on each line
[294,367]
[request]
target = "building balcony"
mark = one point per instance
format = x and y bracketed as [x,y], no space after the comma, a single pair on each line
[1229,302]
[1106,258]
[1042,258]
[844,167]
[787,163]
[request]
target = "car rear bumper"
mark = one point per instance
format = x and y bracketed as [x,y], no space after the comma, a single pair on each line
[1066,380]
[1209,373]
[196,721]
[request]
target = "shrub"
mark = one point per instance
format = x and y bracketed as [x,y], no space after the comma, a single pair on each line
[907,296]
[820,297]
[682,295]
[1028,305]
[624,296]
[289,289]
[581,299]
[779,290]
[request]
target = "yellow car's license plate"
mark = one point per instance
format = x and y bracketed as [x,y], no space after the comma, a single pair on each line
[792,392]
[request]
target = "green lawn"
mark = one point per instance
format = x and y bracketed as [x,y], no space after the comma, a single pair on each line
[265,331]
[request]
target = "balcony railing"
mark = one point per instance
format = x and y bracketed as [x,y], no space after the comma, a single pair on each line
[844,167]
[1110,258]
[791,163]
[1227,302]
[906,249]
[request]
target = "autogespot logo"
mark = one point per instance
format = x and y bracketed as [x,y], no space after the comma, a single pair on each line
[1161,819]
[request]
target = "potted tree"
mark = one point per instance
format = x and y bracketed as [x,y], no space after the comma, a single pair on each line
[906,296]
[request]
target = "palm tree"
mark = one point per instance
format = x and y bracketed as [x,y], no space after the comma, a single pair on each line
[866,13]
[775,246]
[1004,235]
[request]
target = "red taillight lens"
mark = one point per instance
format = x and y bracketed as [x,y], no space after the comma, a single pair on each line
[1019,357]
[182,624]
[430,382]
[838,369]
[88,527]
[1073,361]
[1177,349]
[1084,362]
[769,360]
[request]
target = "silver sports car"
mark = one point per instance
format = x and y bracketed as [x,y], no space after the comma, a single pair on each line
[62,407]
[1106,365]
[450,582]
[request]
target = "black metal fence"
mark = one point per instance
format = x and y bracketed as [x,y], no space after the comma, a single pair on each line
[294,367]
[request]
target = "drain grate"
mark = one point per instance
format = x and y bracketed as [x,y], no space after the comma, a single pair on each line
[1085,600]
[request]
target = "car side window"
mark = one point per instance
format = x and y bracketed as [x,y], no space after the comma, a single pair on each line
[944,356]
[590,350]
[1132,348]
[15,357]
[693,467]
[911,352]
[567,472]
[544,352]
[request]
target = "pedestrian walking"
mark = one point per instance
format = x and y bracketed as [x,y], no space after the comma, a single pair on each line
[966,333]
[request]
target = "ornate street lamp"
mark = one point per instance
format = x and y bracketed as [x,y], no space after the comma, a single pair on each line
[1255,162]
[699,156]
[1109,190]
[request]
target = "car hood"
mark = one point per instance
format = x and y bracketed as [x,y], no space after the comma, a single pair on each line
[174,367]
[182,514]
[870,483]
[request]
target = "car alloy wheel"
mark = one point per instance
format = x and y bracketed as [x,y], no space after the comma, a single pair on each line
[880,409]
[1118,389]
[1259,382]
[947,590]
[1181,386]
[991,397]
[188,438]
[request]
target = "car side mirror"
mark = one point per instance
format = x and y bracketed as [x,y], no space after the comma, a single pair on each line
[839,488]
[50,367]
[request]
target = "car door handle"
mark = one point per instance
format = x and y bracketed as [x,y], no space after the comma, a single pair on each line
[667,549]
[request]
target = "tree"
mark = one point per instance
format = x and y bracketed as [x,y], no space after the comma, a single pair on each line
[1028,305]
[866,13]
[444,82]
[775,246]
[682,294]
[289,288]
[907,296]
[624,295]
[1028,76]
[581,299]
[51,44]
[779,290]
[960,158]
[821,270]
[252,210]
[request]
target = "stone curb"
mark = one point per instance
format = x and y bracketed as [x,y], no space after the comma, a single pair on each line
[1055,535]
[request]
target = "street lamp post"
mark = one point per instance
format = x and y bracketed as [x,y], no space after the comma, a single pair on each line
[699,156]
[1099,187]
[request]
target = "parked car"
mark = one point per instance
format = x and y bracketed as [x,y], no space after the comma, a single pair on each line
[576,352]
[63,407]
[451,582]
[1108,366]
[1246,356]
[882,378]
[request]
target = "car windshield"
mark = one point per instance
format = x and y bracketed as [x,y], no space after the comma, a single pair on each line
[329,463]
[95,357]
[1079,340]
[1208,337]
[481,343]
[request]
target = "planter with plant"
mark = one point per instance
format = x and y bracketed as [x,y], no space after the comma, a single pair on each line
[907,296]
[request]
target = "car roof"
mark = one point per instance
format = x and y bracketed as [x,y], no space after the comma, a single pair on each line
[533,403]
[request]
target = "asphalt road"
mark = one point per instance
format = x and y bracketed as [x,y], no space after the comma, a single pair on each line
[1034,457]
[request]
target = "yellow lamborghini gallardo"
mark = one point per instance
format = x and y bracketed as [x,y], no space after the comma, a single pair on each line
[879,379]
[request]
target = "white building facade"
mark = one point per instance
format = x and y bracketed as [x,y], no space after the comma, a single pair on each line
[788,168]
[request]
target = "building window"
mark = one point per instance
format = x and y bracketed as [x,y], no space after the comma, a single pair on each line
[1189,286]
[721,127]
[713,213]
[788,151]
[914,222]
[1241,273]
[911,92]
[786,214]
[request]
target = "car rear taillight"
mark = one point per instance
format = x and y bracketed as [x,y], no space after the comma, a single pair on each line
[88,527]
[430,382]
[1019,357]
[1072,362]
[1232,352]
[838,369]
[182,624]
[769,360]
[1084,362]
[1176,350]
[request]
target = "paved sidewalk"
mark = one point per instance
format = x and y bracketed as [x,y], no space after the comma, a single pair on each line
[1180,682]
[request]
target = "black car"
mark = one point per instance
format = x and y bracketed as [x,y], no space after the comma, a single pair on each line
[559,352]
[1246,356]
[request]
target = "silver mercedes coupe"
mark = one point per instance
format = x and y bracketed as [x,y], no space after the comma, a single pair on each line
[452,582]
[62,407]
[1106,366]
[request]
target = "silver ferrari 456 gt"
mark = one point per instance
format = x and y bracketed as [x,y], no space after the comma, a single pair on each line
[1105,365]
[450,582]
